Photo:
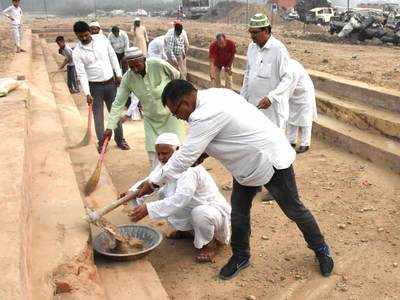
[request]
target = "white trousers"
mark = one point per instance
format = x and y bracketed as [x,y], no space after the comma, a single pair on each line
[207,222]
[133,110]
[17,34]
[305,134]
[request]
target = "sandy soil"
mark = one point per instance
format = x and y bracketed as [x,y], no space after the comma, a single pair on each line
[376,65]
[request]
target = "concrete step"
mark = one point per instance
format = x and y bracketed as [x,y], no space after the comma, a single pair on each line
[60,259]
[375,148]
[360,115]
[353,90]
[118,280]
[204,67]
[203,80]
[15,162]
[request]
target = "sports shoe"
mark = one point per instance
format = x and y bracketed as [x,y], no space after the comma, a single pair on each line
[325,260]
[233,267]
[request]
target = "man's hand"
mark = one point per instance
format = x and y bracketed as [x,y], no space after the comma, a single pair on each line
[138,213]
[264,103]
[89,99]
[145,189]
[118,80]
[107,134]
[228,70]
[200,159]
[124,119]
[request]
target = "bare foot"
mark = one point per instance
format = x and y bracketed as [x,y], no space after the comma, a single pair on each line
[207,253]
[179,235]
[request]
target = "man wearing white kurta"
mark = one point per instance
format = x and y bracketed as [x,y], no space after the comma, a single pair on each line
[156,48]
[224,125]
[268,78]
[14,13]
[302,108]
[190,202]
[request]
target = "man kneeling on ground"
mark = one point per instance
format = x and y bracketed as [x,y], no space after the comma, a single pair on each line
[191,203]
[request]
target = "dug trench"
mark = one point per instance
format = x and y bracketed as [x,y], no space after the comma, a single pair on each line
[355,202]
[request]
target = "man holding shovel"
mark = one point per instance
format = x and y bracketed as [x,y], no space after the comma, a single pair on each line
[146,78]
[95,63]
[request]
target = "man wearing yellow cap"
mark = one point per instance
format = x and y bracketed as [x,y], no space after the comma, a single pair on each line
[146,78]
[268,78]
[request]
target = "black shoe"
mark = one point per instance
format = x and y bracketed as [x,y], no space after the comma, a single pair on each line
[325,260]
[232,268]
[293,146]
[302,149]
[123,145]
[325,265]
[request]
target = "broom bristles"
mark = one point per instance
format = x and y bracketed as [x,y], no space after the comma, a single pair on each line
[85,141]
[93,180]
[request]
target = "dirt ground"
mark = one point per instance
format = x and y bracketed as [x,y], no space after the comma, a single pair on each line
[375,65]
[356,204]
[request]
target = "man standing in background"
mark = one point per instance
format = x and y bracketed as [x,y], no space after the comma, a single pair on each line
[14,13]
[95,63]
[66,51]
[140,38]
[120,42]
[176,45]
[268,78]
[222,52]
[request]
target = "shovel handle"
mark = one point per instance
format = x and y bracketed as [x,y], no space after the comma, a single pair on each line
[94,216]
[90,115]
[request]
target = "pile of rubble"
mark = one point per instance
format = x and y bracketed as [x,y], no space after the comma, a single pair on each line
[117,13]
[372,26]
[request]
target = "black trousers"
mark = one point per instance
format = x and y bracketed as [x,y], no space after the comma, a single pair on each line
[104,93]
[72,79]
[282,187]
[124,66]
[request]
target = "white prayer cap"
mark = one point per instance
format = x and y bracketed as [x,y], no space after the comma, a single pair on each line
[95,24]
[137,19]
[168,138]
[133,53]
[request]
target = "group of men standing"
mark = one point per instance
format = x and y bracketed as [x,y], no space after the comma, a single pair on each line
[245,131]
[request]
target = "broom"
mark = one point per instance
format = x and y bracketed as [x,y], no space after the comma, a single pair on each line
[94,179]
[86,139]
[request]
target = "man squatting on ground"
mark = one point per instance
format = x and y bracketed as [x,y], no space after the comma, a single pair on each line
[95,63]
[224,125]
[191,203]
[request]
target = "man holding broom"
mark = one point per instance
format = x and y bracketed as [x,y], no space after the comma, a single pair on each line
[146,78]
[95,62]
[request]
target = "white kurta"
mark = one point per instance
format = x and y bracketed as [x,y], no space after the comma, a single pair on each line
[156,48]
[227,127]
[16,14]
[193,202]
[268,75]
[302,106]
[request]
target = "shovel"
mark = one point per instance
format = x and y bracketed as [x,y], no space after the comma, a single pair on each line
[86,139]
[94,179]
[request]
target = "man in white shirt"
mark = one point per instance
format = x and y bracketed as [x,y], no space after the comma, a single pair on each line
[14,13]
[120,42]
[156,48]
[95,28]
[95,64]
[176,45]
[191,203]
[268,78]
[256,152]
[302,108]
